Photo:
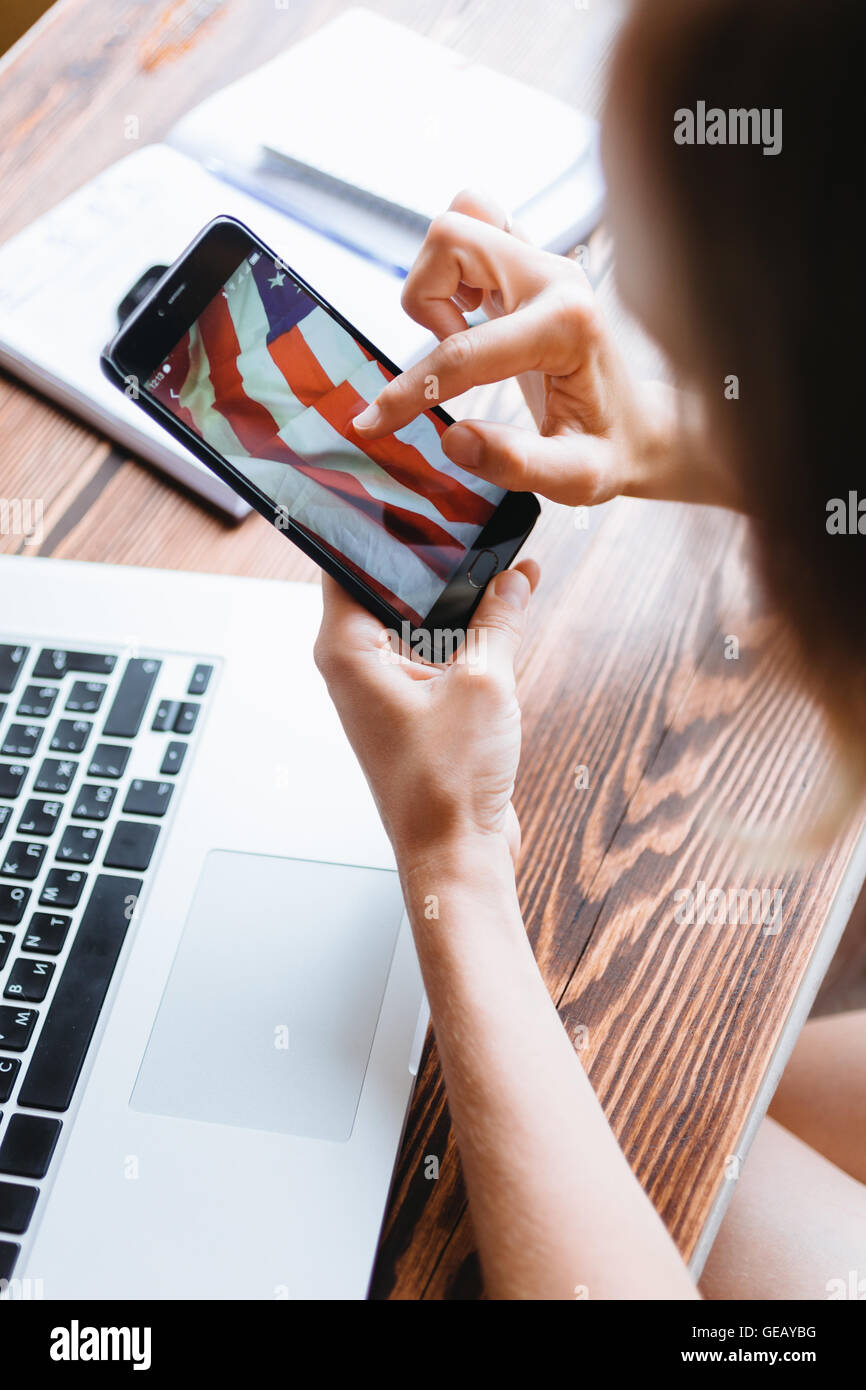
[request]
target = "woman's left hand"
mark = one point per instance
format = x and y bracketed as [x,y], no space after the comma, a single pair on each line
[439,744]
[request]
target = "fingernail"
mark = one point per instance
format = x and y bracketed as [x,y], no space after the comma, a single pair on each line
[369,418]
[513,587]
[463,446]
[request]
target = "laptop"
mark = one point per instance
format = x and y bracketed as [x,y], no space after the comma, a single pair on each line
[211,1011]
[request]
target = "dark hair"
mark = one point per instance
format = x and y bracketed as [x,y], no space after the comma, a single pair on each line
[770,253]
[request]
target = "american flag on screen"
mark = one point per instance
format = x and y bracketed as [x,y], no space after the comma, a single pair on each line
[273,383]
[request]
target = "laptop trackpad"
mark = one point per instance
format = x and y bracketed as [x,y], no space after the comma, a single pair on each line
[271,1005]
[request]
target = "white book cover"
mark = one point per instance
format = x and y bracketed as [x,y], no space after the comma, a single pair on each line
[366,130]
[62,278]
[336,152]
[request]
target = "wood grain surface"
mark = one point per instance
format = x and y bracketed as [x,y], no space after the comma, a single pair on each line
[626,673]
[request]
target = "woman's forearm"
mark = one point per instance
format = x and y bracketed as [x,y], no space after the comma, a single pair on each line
[555,1207]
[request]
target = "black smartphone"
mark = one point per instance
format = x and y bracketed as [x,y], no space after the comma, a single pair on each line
[260,377]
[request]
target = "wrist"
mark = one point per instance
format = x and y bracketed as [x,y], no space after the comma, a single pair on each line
[459,854]
[464,865]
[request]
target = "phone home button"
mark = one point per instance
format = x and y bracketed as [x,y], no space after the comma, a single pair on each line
[484,568]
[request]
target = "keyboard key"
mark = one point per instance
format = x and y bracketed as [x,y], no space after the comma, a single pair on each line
[70,735]
[55,775]
[13,903]
[37,701]
[11,779]
[93,802]
[166,713]
[9,1253]
[109,760]
[125,716]
[200,680]
[85,697]
[40,817]
[9,1069]
[185,722]
[16,1025]
[23,859]
[28,1144]
[79,844]
[63,888]
[173,760]
[46,933]
[21,740]
[72,1016]
[3,709]
[132,845]
[7,941]
[147,798]
[12,660]
[54,663]
[29,980]
[5,818]
[16,1206]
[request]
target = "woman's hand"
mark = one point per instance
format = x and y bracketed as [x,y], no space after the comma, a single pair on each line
[554,1203]
[439,744]
[599,432]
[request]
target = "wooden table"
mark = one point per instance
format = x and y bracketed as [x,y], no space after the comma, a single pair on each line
[684,1028]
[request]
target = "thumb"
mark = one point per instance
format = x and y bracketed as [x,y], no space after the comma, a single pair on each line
[496,629]
[573,468]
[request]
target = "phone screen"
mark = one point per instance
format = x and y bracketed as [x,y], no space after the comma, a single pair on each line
[272,382]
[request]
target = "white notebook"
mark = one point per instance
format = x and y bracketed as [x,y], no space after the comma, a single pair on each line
[367,129]
[337,153]
[62,278]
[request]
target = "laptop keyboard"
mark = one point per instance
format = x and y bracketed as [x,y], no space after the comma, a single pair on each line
[92,745]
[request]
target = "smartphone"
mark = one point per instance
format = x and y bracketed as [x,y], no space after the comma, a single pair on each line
[260,377]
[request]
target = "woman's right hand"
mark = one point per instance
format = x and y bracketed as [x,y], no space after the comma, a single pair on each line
[599,432]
